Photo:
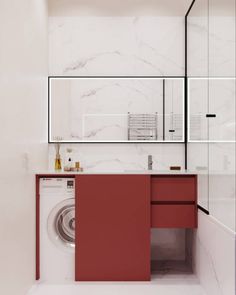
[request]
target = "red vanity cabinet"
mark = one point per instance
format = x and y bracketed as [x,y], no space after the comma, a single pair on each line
[174,201]
[114,214]
[112,228]
[173,188]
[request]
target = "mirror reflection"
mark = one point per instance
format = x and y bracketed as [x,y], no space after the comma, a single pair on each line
[87,109]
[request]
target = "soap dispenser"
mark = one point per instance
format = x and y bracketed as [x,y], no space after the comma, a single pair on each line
[69,161]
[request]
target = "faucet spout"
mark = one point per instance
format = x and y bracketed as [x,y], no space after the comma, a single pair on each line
[150,162]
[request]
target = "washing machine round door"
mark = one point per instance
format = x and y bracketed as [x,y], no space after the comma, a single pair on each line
[61,225]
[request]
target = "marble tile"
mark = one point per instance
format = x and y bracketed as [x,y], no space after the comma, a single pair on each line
[211,39]
[120,157]
[222,186]
[214,257]
[116,46]
[184,284]
[221,43]
[198,40]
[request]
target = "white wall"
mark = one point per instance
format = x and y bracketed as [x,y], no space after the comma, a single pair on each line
[214,257]
[114,7]
[23,132]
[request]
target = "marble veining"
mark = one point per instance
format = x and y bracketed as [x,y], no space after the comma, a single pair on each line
[216,55]
[114,157]
[116,46]
[214,259]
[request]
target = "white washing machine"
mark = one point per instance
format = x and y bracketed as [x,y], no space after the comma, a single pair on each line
[57,229]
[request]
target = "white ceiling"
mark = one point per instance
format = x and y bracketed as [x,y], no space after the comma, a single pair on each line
[118,7]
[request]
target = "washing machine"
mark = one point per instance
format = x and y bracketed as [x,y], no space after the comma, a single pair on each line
[57,229]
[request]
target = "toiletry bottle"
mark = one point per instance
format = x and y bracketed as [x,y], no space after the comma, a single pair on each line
[69,163]
[58,162]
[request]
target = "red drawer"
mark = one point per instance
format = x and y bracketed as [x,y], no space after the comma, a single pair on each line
[173,216]
[173,188]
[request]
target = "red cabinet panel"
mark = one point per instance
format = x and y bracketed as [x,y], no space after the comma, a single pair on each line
[112,228]
[174,216]
[173,188]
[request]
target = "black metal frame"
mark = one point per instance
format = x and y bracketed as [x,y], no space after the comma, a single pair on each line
[118,77]
[186,94]
[163,104]
[203,209]
[186,83]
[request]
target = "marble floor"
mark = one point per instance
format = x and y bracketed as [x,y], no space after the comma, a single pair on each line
[168,284]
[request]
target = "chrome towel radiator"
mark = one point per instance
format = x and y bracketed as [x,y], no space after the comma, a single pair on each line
[142,127]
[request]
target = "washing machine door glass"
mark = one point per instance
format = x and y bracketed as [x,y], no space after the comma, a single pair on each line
[61,225]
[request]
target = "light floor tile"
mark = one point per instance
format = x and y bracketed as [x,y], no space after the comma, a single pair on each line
[160,284]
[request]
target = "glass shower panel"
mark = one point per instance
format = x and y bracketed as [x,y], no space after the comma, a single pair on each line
[222,182]
[222,109]
[222,103]
[197,72]
[221,38]
[197,45]
[198,109]
[198,163]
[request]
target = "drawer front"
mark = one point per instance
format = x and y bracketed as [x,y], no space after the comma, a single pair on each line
[173,188]
[173,216]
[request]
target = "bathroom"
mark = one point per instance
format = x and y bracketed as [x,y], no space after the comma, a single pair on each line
[74,75]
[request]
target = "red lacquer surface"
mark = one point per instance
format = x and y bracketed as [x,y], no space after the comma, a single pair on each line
[112,228]
[174,216]
[173,188]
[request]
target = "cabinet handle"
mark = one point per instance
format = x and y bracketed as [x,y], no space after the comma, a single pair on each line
[210,115]
[171,130]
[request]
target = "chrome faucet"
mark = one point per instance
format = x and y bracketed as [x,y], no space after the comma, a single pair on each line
[150,162]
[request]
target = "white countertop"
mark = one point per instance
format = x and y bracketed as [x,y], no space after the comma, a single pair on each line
[146,172]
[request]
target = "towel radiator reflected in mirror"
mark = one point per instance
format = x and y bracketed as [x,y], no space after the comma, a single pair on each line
[142,126]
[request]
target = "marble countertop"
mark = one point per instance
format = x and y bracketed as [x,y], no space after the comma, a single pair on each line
[146,172]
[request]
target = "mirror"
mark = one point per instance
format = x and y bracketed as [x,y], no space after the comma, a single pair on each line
[211,109]
[116,109]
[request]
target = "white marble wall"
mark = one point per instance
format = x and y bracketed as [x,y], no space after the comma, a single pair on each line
[222,26]
[211,39]
[116,46]
[214,257]
[197,45]
[119,157]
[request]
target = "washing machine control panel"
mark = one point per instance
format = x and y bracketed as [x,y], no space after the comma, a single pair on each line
[70,184]
[57,186]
